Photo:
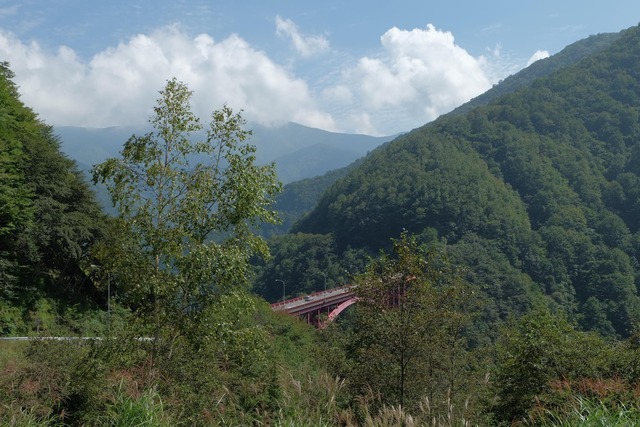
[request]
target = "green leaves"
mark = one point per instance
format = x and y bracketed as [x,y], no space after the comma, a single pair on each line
[409,334]
[188,208]
[48,216]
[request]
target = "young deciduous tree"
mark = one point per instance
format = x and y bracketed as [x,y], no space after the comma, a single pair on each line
[409,340]
[187,210]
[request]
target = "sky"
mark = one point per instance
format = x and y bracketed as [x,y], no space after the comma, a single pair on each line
[377,68]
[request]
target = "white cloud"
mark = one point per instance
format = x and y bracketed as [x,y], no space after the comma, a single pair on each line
[540,54]
[419,75]
[119,85]
[416,76]
[496,51]
[338,94]
[363,124]
[306,46]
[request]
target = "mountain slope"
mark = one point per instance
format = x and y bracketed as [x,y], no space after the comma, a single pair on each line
[48,216]
[299,197]
[568,56]
[537,191]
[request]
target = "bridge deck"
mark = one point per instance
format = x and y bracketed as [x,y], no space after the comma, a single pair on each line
[315,301]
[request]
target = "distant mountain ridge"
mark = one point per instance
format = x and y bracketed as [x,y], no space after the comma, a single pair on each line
[298,151]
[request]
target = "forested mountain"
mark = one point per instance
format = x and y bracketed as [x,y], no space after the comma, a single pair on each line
[48,215]
[536,193]
[568,56]
[299,198]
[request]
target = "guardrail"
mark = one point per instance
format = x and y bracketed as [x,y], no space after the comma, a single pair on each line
[314,295]
[65,338]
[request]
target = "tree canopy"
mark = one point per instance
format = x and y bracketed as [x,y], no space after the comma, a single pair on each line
[187,210]
[48,216]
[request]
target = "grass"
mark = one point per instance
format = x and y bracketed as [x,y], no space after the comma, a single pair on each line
[591,413]
[12,352]
[21,417]
[144,410]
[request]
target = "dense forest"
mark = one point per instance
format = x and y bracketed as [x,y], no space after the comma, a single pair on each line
[48,220]
[493,255]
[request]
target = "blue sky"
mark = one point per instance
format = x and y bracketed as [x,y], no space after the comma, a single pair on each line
[349,66]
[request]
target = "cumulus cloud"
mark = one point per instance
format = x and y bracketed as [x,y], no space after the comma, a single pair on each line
[119,85]
[306,46]
[416,76]
[338,94]
[419,75]
[540,54]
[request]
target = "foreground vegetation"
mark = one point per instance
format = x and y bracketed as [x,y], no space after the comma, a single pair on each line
[274,370]
[411,362]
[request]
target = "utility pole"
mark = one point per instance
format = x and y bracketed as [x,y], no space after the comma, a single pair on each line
[97,267]
[283,287]
[325,279]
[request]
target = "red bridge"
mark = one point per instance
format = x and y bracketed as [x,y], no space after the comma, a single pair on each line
[313,306]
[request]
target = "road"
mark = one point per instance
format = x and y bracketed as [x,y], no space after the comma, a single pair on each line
[314,302]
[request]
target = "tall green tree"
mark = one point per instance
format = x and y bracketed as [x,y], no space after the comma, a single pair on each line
[15,195]
[540,350]
[187,209]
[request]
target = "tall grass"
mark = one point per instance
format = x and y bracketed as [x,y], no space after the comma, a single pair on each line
[312,401]
[145,410]
[391,416]
[322,400]
[15,416]
[588,413]
[12,352]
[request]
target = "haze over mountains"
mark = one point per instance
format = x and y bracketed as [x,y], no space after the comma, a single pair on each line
[298,151]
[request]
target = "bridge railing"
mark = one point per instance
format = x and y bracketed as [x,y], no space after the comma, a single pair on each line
[314,295]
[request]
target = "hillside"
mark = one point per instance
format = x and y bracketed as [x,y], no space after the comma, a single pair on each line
[299,197]
[537,193]
[291,211]
[48,221]
[570,55]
